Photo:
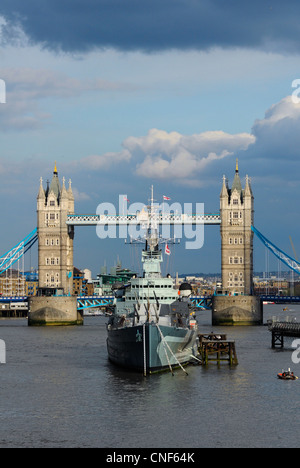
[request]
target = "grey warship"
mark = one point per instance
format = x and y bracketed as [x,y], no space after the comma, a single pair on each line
[151,329]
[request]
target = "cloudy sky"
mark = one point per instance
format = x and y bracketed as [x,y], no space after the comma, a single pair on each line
[124,94]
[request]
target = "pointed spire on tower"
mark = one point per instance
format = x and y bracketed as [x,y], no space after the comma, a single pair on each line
[41,194]
[63,192]
[70,192]
[55,185]
[248,190]
[236,184]
[224,191]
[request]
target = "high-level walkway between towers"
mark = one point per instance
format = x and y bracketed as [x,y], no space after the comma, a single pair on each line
[161,218]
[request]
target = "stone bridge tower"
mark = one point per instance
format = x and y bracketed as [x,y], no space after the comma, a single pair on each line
[55,238]
[236,304]
[237,217]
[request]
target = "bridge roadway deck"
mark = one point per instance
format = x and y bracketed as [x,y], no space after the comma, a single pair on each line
[280,299]
[202,302]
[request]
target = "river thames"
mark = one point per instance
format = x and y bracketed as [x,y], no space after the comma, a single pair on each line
[58,389]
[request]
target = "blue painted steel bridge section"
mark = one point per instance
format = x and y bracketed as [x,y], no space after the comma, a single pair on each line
[280,299]
[88,302]
[282,256]
[14,254]
[201,302]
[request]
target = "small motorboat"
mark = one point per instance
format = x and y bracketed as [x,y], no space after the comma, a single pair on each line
[287,375]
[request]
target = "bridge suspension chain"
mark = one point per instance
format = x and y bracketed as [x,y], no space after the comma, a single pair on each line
[285,258]
[14,254]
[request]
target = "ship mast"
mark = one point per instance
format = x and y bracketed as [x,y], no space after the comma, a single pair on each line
[152,232]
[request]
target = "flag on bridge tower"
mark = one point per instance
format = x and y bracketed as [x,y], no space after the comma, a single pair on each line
[166,198]
[167,250]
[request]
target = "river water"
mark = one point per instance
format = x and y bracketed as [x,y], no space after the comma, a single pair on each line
[58,389]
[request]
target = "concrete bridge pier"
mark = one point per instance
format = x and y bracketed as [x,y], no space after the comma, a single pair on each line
[237,310]
[53,311]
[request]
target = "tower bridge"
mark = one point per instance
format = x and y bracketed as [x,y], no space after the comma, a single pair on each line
[56,220]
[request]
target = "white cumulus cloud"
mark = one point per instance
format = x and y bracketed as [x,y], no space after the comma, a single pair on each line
[172,155]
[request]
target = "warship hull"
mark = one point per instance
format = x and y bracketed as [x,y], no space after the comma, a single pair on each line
[148,348]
